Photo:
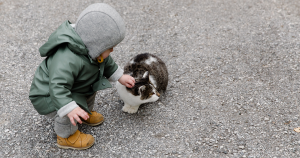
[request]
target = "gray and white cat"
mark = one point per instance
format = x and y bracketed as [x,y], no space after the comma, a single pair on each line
[151,78]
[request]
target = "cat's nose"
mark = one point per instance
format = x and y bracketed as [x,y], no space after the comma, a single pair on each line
[157,94]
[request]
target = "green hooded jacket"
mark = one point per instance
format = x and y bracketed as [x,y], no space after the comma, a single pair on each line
[68,73]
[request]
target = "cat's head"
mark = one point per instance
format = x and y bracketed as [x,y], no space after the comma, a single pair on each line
[144,88]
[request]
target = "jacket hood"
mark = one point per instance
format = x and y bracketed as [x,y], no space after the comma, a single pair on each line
[100,27]
[64,34]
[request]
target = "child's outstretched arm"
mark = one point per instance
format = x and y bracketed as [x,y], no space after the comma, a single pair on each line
[127,81]
[76,113]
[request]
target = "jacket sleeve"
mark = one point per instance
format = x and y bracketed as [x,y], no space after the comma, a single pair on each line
[111,70]
[62,74]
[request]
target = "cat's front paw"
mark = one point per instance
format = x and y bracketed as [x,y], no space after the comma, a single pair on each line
[130,109]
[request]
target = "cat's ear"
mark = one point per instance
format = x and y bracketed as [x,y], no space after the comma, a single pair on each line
[146,74]
[141,89]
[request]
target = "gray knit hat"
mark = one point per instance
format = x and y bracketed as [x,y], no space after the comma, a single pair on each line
[100,27]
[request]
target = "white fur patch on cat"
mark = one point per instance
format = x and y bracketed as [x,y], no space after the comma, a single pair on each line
[152,80]
[150,60]
[131,62]
[130,109]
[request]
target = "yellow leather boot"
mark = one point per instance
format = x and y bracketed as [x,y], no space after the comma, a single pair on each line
[94,119]
[78,141]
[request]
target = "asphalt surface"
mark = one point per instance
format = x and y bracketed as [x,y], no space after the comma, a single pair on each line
[233,88]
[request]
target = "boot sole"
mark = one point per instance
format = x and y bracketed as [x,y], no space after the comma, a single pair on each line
[69,147]
[93,124]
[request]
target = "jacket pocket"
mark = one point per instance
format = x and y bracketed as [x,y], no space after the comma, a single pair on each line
[42,104]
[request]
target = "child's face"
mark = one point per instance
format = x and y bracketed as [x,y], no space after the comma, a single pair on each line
[105,54]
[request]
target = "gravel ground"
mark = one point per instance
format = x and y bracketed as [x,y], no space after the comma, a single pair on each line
[233,89]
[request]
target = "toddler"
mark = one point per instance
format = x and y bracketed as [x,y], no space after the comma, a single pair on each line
[77,65]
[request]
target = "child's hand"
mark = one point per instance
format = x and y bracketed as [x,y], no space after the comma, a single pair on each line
[127,81]
[76,113]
